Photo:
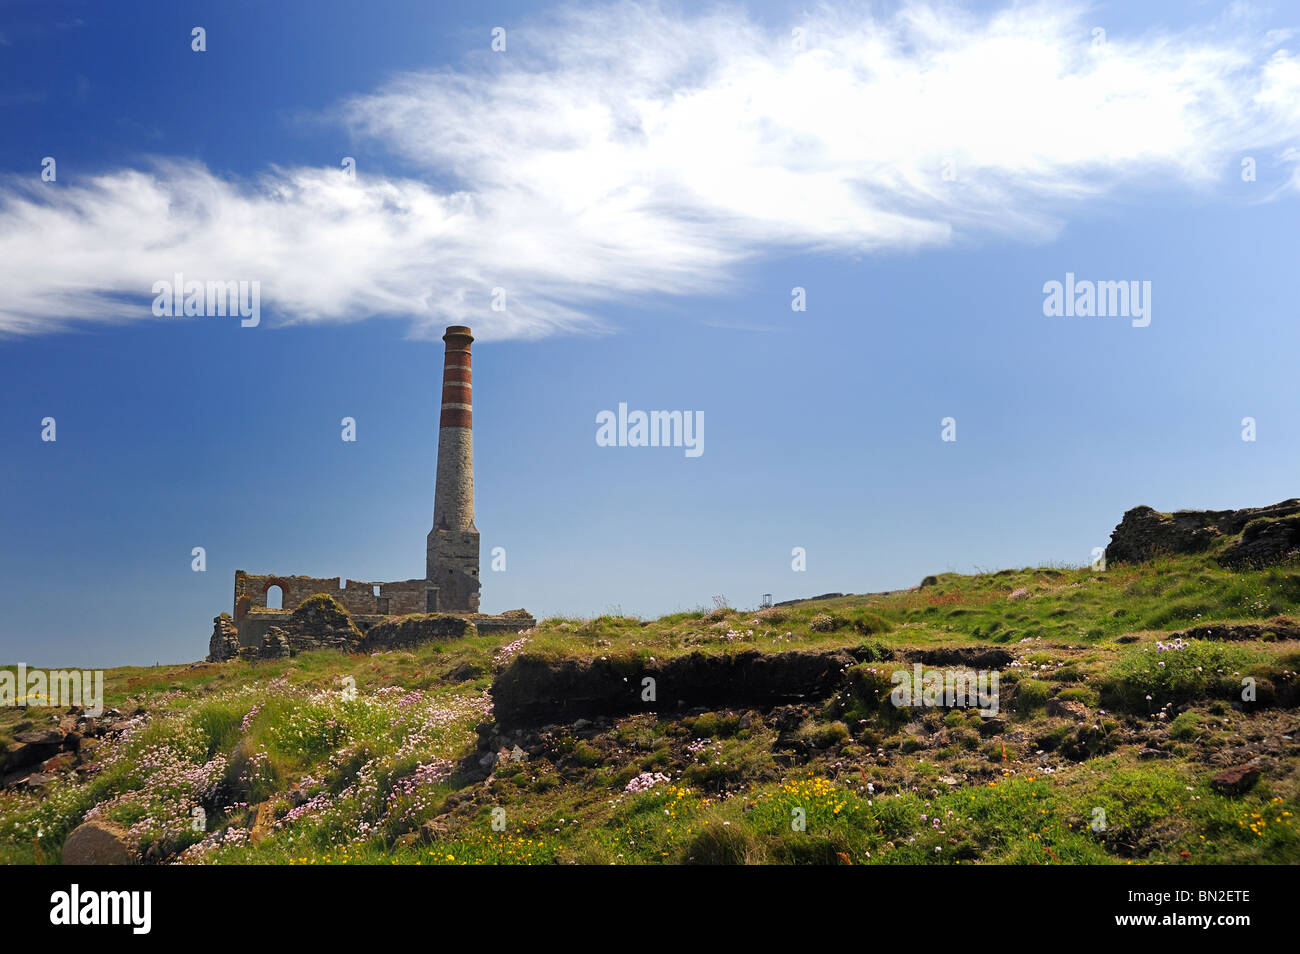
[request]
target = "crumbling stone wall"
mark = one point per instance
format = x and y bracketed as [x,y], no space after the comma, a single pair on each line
[412,630]
[323,622]
[257,624]
[1144,533]
[357,596]
[511,621]
[225,639]
[320,622]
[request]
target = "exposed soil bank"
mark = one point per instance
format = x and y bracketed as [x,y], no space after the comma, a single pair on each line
[535,691]
[1278,628]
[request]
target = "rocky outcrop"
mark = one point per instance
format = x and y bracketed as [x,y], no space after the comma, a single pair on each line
[1265,541]
[98,842]
[1145,533]
[534,690]
[38,755]
[415,629]
[224,643]
[32,746]
[35,755]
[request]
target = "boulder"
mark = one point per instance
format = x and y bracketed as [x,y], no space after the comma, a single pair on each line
[60,763]
[30,779]
[41,737]
[1066,709]
[435,829]
[263,822]
[1236,780]
[31,748]
[99,842]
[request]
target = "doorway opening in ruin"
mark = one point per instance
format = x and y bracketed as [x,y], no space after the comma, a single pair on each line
[274,597]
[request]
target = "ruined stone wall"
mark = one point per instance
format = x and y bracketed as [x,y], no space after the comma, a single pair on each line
[224,643]
[406,596]
[416,629]
[511,621]
[357,596]
[257,623]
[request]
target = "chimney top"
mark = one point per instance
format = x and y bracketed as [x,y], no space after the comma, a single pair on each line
[458,331]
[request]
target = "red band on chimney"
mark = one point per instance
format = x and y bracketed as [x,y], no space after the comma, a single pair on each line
[457,392]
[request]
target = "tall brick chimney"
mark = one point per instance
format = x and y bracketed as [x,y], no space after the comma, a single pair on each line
[451,555]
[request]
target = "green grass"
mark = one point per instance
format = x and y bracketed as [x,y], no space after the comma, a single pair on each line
[375,777]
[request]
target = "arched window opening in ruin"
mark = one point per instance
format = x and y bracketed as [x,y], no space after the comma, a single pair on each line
[274,597]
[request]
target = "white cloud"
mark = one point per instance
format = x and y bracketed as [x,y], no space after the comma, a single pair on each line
[625,151]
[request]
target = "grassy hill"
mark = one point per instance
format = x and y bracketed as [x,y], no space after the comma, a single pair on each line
[1109,733]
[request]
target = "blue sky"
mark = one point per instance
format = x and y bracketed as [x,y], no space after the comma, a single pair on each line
[648,184]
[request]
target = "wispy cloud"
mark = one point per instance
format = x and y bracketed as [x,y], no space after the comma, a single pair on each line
[628,151]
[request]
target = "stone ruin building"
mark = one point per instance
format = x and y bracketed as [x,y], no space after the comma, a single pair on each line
[449,588]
